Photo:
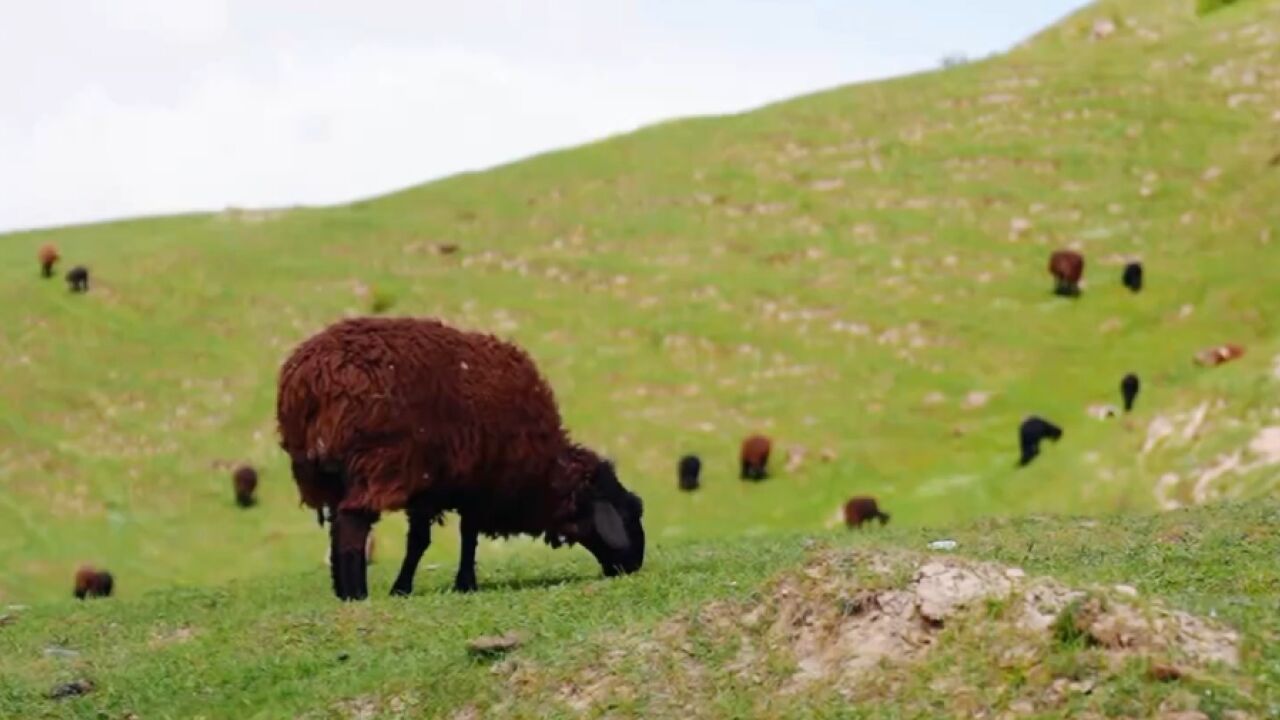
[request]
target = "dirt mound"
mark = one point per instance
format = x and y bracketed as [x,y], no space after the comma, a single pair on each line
[864,624]
[837,630]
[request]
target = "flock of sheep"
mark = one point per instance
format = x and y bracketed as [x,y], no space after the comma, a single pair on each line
[77,277]
[398,414]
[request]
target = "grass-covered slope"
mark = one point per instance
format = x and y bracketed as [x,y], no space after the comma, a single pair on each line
[641,646]
[860,273]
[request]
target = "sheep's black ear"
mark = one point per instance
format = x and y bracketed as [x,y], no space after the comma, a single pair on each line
[606,474]
[609,524]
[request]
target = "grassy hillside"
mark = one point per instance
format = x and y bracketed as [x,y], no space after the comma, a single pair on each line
[267,647]
[860,273]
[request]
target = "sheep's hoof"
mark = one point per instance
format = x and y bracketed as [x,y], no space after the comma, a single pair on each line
[398,591]
[465,585]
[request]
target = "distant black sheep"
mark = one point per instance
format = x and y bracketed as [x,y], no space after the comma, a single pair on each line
[78,279]
[1129,390]
[690,468]
[245,482]
[1033,430]
[1132,277]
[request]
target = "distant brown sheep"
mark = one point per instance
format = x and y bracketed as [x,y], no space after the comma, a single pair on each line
[48,256]
[755,458]
[1219,354]
[383,414]
[245,483]
[1067,267]
[91,582]
[861,509]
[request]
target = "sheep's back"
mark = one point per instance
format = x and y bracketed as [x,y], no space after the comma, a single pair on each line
[1067,265]
[406,405]
[755,449]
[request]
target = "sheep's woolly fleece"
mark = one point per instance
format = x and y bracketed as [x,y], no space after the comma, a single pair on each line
[847,614]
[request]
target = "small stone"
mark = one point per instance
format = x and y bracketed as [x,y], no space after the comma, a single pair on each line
[75,688]
[1164,673]
[59,651]
[1128,590]
[494,644]
[1083,687]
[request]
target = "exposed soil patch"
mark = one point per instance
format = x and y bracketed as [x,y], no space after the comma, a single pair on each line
[845,621]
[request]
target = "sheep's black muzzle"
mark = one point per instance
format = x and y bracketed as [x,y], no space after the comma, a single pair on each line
[614,569]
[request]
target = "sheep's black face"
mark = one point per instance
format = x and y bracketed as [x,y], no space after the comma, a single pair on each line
[614,532]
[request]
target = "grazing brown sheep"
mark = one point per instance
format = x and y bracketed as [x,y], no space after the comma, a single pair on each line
[91,582]
[862,509]
[1219,354]
[1067,267]
[245,482]
[755,458]
[48,256]
[383,414]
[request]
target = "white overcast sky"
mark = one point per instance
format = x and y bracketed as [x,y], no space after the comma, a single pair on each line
[112,108]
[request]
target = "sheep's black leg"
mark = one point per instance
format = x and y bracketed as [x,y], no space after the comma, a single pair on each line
[334,572]
[349,531]
[466,579]
[418,540]
[1029,453]
[746,470]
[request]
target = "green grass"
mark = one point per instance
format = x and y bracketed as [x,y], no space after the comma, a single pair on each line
[1204,7]
[840,271]
[275,647]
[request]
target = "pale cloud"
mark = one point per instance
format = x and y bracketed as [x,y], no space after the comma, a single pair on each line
[131,107]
